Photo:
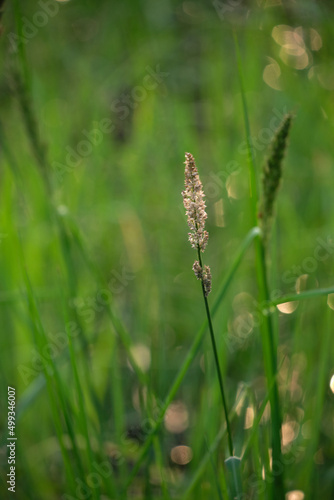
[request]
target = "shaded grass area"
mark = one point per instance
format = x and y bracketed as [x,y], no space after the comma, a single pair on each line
[99,305]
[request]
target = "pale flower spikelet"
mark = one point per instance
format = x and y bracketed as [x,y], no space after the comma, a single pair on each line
[204,275]
[193,201]
[197,270]
[207,279]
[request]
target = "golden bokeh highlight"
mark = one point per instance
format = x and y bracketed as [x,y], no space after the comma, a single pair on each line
[295,495]
[181,455]
[294,52]
[290,431]
[271,74]
[330,300]
[287,307]
[249,417]
[331,384]
[176,418]
[142,356]
[219,213]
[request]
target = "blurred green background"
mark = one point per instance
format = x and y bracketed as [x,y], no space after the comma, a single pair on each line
[99,102]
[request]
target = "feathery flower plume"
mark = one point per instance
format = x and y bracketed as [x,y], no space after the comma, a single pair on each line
[193,201]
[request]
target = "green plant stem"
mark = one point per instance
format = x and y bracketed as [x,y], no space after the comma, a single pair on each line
[215,353]
[251,235]
[268,342]
[213,447]
[319,399]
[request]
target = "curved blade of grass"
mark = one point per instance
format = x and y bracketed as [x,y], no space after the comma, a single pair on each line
[116,322]
[192,353]
[51,375]
[221,434]
[309,294]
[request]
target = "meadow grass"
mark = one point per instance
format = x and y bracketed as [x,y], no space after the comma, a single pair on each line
[105,336]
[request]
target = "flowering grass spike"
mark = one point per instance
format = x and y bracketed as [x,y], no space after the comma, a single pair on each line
[193,200]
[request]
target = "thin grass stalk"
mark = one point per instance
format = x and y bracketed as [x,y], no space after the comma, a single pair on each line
[122,334]
[76,378]
[214,446]
[40,335]
[40,341]
[193,201]
[215,353]
[221,434]
[40,155]
[252,234]
[117,324]
[269,347]
[215,472]
[39,152]
[82,417]
[324,364]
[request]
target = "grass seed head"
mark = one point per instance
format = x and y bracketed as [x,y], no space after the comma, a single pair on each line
[193,201]
[272,174]
[203,275]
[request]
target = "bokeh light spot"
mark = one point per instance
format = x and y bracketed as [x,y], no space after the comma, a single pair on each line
[316,40]
[142,356]
[331,384]
[181,455]
[287,307]
[271,74]
[295,495]
[219,213]
[176,418]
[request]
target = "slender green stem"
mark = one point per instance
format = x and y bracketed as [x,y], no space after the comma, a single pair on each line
[251,235]
[215,353]
[269,347]
[213,447]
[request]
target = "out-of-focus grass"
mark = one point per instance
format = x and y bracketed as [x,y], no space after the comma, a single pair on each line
[122,202]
